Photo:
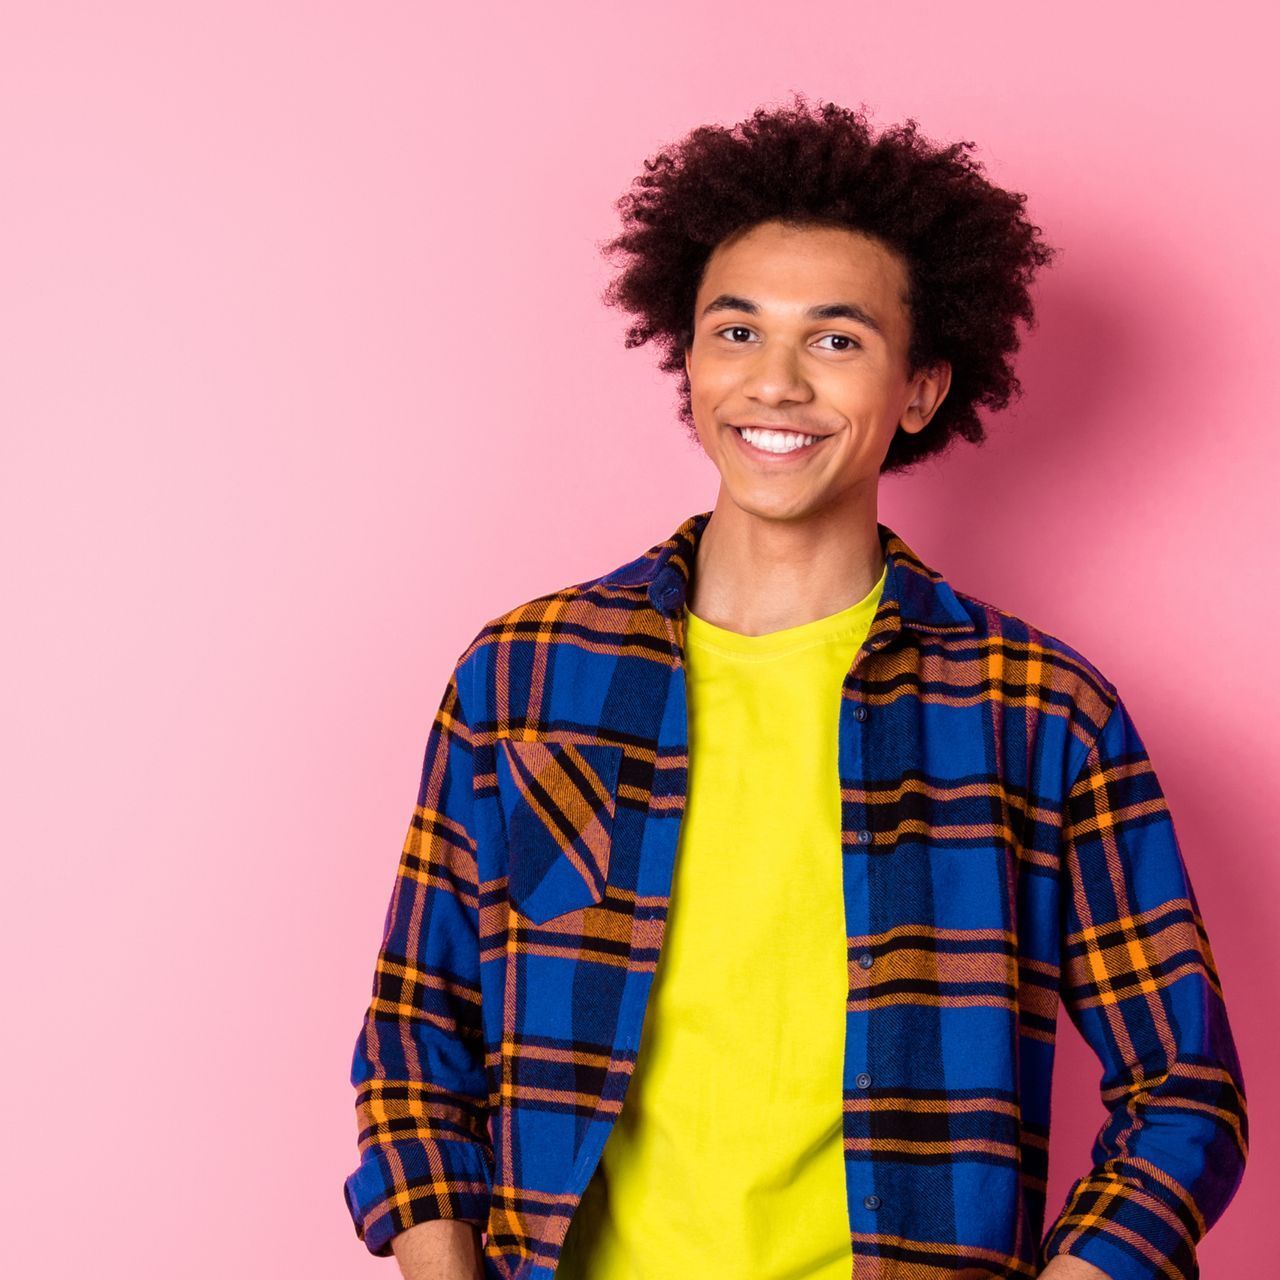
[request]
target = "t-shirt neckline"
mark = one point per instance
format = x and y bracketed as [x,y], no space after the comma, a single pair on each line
[833,626]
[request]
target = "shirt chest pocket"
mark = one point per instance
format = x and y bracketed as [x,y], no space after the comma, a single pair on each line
[558,804]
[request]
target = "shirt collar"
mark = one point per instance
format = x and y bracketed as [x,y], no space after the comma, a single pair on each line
[915,594]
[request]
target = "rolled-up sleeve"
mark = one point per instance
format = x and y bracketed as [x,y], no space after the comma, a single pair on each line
[1139,982]
[418,1066]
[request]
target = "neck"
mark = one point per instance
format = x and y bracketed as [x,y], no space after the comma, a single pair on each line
[755,574]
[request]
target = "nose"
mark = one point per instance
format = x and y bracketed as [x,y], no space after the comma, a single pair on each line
[775,375]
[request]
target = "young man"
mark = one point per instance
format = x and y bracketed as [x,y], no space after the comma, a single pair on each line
[746,879]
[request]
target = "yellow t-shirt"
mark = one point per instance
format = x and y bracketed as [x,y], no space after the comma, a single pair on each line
[727,1157]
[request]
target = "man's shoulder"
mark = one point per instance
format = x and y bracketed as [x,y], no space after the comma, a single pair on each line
[585,610]
[1029,657]
[607,613]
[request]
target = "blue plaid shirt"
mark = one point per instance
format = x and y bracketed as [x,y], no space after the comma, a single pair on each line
[1006,848]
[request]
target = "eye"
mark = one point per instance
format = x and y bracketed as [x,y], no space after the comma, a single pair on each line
[853,343]
[734,328]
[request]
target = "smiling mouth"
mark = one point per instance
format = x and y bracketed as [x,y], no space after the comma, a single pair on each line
[777,443]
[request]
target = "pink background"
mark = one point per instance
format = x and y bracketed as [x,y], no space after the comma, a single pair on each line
[304,376]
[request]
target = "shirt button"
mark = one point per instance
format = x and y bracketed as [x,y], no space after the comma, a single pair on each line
[865,960]
[872,1202]
[860,713]
[864,1080]
[863,837]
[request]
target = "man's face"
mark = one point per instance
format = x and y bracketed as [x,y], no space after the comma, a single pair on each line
[764,353]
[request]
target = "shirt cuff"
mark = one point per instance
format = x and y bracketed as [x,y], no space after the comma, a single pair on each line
[1124,1229]
[400,1184]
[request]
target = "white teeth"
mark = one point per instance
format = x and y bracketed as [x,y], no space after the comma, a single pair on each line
[775,441]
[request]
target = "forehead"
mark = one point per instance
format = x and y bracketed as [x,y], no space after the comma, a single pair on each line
[777,264]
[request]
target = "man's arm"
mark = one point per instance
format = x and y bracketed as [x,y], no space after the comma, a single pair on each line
[1065,1267]
[1139,982]
[418,1067]
[445,1249]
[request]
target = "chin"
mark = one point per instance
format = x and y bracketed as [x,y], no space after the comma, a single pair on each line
[758,501]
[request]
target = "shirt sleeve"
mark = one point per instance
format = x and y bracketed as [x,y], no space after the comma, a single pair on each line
[418,1067]
[1139,982]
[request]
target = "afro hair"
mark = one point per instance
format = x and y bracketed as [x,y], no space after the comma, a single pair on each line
[971,254]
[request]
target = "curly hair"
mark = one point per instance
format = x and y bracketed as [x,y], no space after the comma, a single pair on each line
[971,254]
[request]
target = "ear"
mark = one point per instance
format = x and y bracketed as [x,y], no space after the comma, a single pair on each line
[930,391]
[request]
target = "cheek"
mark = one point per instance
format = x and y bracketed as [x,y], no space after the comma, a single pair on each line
[708,386]
[857,387]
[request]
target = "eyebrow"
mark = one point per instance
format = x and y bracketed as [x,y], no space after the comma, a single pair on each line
[823,311]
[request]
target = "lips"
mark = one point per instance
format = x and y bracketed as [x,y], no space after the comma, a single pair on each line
[755,452]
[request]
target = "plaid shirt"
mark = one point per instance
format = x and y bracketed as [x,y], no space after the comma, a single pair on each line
[1006,846]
